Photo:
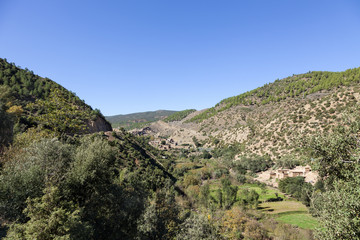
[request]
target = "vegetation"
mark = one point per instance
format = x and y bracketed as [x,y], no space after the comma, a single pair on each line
[94,185]
[298,188]
[138,120]
[302,220]
[56,182]
[178,116]
[295,86]
[6,120]
[33,101]
[338,164]
[255,163]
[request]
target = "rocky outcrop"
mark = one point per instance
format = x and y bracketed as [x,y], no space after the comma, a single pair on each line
[99,125]
[141,132]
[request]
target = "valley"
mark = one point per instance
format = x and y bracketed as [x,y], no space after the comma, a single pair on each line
[266,164]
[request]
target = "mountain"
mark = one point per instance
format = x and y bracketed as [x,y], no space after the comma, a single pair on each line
[57,182]
[36,102]
[136,120]
[66,166]
[269,119]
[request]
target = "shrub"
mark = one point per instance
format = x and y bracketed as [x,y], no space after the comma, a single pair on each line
[191,179]
[198,227]
[256,163]
[241,178]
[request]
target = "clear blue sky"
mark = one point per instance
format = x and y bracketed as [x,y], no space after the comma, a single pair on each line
[141,55]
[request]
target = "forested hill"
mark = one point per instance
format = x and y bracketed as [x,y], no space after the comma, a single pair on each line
[135,120]
[58,183]
[296,86]
[34,101]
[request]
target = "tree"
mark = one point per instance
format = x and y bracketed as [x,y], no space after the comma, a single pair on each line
[26,175]
[58,114]
[51,218]
[336,157]
[160,219]
[229,193]
[198,227]
[335,153]
[196,142]
[6,121]
[6,126]
[338,210]
[205,194]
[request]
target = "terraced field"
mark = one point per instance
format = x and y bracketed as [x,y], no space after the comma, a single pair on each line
[291,212]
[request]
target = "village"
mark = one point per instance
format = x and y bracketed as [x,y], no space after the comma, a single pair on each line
[271,177]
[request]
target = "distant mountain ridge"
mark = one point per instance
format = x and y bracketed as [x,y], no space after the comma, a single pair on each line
[134,120]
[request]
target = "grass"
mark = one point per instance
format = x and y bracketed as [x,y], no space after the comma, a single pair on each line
[302,220]
[263,196]
[283,207]
[287,211]
[290,212]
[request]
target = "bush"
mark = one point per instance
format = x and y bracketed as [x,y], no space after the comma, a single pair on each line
[25,176]
[256,163]
[219,172]
[287,162]
[297,187]
[191,179]
[241,178]
[206,155]
[198,227]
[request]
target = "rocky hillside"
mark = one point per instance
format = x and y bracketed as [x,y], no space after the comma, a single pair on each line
[269,119]
[35,102]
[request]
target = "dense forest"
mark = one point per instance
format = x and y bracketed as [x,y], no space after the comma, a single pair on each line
[60,181]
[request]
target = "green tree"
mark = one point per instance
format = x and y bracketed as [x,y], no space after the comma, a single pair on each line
[336,153]
[58,114]
[338,209]
[51,218]
[198,227]
[205,194]
[229,193]
[26,175]
[160,220]
[6,121]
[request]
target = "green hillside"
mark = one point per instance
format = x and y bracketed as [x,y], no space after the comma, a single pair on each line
[58,183]
[178,116]
[34,101]
[137,120]
[296,86]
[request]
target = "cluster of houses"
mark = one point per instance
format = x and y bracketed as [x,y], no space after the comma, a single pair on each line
[284,173]
[270,177]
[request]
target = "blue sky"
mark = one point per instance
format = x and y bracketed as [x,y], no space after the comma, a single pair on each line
[142,55]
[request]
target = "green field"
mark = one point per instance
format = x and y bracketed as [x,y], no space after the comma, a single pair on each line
[288,211]
[263,196]
[270,193]
[291,212]
[283,207]
[302,220]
